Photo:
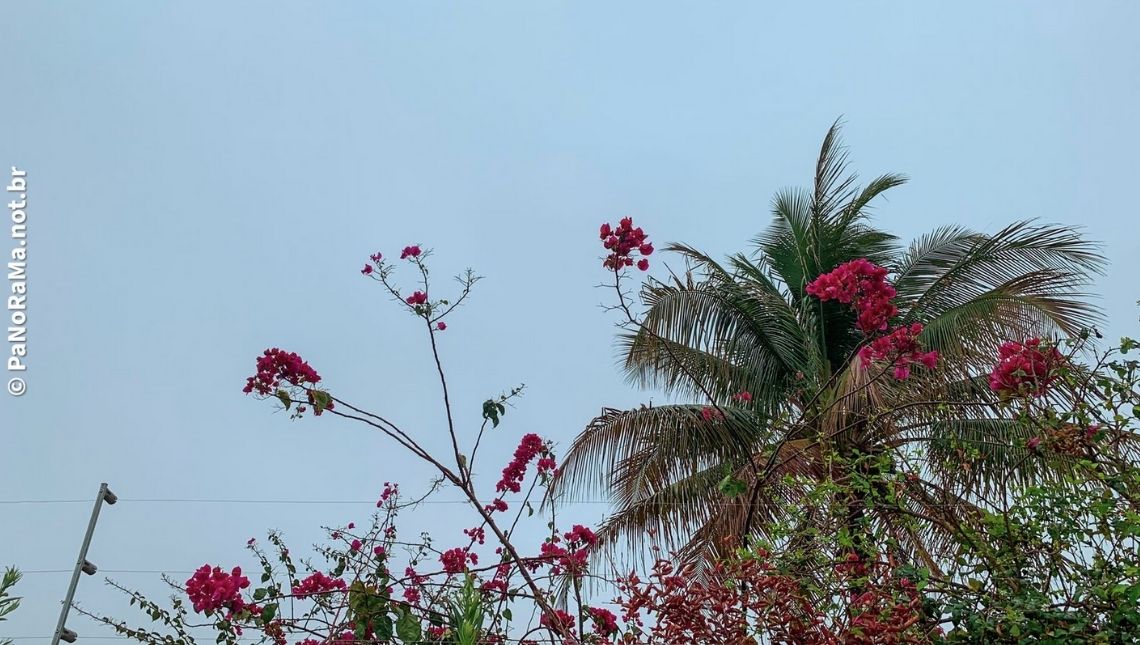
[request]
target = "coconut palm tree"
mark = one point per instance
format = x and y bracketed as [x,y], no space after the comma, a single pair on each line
[817,413]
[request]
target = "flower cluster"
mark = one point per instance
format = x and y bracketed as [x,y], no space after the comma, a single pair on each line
[417,298]
[530,446]
[412,251]
[318,583]
[213,589]
[901,349]
[376,259]
[863,285]
[709,413]
[390,489]
[605,622]
[274,366]
[573,556]
[622,242]
[1025,369]
[563,617]
[455,560]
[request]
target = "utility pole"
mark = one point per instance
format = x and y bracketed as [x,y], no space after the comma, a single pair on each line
[82,565]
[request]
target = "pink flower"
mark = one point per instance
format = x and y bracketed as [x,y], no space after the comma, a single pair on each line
[376,257]
[497,505]
[863,285]
[379,551]
[412,595]
[212,589]
[530,446]
[318,583]
[901,348]
[389,490]
[565,619]
[275,366]
[417,298]
[1033,443]
[352,525]
[355,546]
[743,397]
[367,270]
[711,414]
[622,242]
[605,622]
[441,325]
[454,560]
[1025,368]
[410,252]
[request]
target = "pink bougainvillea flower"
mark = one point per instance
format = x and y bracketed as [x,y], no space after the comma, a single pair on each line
[441,326]
[410,252]
[530,446]
[376,257]
[743,397]
[605,622]
[622,242]
[454,560]
[417,298]
[211,589]
[1025,369]
[863,285]
[355,546]
[900,348]
[711,414]
[275,366]
[367,270]
[1033,443]
[318,583]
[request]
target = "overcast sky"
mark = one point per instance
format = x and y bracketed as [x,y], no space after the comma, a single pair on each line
[205,180]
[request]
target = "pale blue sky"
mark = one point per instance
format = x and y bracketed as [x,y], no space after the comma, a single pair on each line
[205,180]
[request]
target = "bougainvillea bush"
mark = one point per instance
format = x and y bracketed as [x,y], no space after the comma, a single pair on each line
[1048,559]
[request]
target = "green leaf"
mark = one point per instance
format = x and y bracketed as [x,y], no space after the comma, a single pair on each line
[268,612]
[732,487]
[286,400]
[408,627]
[320,400]
[506,613]
[491,412]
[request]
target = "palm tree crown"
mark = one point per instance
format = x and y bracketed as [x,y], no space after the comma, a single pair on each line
[748,325]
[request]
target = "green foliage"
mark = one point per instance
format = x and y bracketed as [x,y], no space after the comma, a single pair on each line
[467,613]
[8,603]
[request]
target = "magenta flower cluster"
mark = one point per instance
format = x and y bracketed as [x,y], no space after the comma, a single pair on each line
[863,285]
[900,348]
[318,583]
[211,589]
[622,242]
[1025,368]
[275,366]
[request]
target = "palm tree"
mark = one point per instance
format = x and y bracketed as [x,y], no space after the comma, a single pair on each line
[747,325]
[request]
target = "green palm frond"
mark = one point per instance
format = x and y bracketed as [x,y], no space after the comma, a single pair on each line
[747,324]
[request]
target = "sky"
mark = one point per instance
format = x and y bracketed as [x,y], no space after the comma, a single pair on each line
[206,179]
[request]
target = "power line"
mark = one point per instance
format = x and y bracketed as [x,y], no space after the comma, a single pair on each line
[276,501]
[26,571]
